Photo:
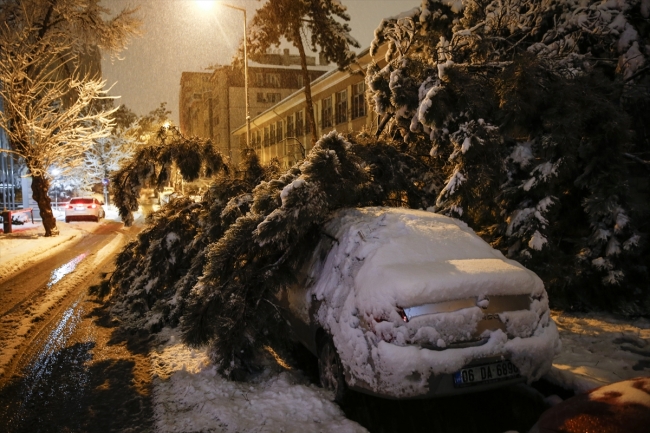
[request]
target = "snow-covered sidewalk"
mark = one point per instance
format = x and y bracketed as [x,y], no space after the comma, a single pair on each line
[598,349]
[189,396]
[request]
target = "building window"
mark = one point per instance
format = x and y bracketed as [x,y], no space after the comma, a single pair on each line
[273,80]
[300,80]
[273,97]
[266,136]
[278,130]
[260,97]
[300,124]
[290,126]
[257,139]
[326,112]
[272,133]
[307,124]
[358,100]
[341,107]
[259,79]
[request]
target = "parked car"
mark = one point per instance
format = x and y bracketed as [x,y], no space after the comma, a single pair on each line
[80,208]
[411,304]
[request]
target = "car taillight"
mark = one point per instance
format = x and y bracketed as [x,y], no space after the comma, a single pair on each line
[402,314]
[92,206]
[70,206]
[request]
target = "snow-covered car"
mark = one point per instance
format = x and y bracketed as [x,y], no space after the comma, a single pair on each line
[84,208]
[410,304]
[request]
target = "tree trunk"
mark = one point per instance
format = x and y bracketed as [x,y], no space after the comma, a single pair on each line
[309,105]
[40,188]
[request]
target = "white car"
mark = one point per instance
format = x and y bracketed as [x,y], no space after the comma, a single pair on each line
[84,208]
[408,304]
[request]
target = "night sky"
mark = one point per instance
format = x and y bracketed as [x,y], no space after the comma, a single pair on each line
[184,35]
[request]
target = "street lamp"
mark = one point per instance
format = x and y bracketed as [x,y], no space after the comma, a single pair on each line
[203,3]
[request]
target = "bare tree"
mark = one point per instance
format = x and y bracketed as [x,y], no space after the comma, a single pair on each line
[47,91]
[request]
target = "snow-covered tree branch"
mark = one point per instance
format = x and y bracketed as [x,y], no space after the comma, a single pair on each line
[48,90]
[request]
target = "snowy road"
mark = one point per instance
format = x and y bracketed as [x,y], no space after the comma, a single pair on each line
[63,368]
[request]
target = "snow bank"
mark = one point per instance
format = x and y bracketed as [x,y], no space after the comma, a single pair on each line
[189,395]
[598,349]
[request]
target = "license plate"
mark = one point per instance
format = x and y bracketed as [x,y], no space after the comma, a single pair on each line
[80,208]
[485,373]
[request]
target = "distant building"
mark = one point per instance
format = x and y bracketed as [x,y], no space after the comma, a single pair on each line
[339,101]
[212,104]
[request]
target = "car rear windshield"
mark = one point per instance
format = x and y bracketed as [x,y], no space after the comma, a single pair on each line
[81,200]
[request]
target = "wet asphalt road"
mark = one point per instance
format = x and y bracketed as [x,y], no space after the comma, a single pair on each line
[75,372]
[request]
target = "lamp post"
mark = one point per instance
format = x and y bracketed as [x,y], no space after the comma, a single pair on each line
[248,116]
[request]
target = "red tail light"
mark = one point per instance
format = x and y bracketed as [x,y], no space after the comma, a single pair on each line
[70,206]
[402,314]
[92,206]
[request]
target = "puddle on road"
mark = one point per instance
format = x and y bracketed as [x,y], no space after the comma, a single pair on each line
[53,346]
[64,270]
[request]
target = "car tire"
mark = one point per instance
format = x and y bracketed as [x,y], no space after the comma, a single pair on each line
[330,370]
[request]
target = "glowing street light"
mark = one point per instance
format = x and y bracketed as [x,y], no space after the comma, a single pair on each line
[207,4]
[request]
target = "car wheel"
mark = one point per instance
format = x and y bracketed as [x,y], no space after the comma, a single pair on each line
[330,370]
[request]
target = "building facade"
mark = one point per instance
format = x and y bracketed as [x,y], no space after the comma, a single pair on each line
[339,103]
[212,104]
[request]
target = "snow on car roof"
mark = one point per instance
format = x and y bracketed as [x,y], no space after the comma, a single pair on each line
[413,257]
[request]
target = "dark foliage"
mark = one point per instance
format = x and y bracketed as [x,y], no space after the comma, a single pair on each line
[153,163]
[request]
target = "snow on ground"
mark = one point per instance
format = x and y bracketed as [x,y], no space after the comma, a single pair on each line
[598,349]
[189,395]
[27,245]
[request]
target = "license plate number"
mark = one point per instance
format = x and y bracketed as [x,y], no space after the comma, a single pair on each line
[486,373]
[80,208]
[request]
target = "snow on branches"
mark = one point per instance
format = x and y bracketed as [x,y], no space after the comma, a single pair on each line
[529,109]
[153,163]
[48,84]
